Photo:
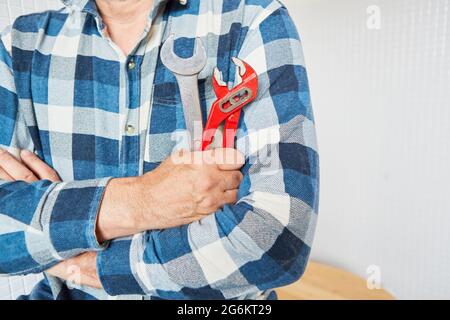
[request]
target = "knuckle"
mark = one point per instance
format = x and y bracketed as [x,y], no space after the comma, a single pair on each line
[238,177]
[209,202]
[206,183]
[197,198]
[232,196]
[53,176]
[190,208]
[4,156]
[233,180]
[4,176]
[32,161]
[28,177]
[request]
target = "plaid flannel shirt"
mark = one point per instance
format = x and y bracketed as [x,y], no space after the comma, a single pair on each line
[90,112]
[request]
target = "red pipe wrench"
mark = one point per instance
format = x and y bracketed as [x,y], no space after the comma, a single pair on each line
[229,103]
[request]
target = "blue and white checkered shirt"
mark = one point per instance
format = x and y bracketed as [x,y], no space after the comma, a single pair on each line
[70,95]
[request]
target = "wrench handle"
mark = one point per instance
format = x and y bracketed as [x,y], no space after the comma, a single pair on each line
[230,130]
[190,98]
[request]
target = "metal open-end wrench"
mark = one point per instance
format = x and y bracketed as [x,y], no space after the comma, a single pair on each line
[186,72]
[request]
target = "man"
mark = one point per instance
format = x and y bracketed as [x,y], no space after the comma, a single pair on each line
[94,189]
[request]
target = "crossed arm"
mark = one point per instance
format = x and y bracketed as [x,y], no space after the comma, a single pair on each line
[32,169]
[260,242]
[184,189]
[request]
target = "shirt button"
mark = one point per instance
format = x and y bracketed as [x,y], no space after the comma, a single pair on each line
[131,65]
[130,130]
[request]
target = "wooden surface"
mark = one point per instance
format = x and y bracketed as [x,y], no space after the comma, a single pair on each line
[322,282]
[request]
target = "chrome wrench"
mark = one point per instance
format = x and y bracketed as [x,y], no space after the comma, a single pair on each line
[186,72]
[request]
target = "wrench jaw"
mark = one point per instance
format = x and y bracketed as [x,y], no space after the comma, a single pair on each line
[241,70]
[229,103]
[220,86]
[183,66]
[218,76]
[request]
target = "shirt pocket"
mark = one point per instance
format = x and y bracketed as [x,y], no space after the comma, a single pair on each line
[168,93]
[167,124]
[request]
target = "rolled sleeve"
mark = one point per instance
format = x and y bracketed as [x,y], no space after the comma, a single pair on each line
[114,269]
[44,223]
[72,210]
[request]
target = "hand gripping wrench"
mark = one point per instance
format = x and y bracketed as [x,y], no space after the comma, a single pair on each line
[186,72]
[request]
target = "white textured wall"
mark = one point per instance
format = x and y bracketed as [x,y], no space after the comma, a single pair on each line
[382,103]
[10,9]
[381,100]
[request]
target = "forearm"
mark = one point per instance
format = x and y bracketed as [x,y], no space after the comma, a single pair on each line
[177,193]
[121,211]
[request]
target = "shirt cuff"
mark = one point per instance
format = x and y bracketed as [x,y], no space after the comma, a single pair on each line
[115,271]
[70,216]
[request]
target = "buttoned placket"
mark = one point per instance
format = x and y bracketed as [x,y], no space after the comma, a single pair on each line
[133,135]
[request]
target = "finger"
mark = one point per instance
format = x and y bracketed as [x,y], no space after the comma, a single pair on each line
[231,197]
[231,180]
[39,167]
[228,159]
[5,176]
[210,204]
[203,212]
[59,270]
[193,219]
[218,201]
[16,169]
